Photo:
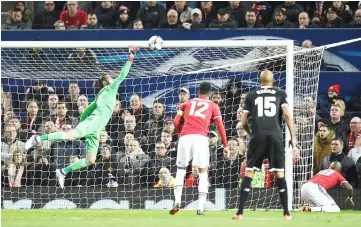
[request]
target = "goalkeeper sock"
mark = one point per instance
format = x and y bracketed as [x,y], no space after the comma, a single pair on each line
[53,136]
[76,165]
[202,190]
[245,189]
[178,185]
[282,190]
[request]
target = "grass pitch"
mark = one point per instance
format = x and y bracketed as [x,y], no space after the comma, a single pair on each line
[184,218]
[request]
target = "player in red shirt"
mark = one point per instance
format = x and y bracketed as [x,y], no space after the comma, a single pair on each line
[73,17]
[314,192]
[192,123]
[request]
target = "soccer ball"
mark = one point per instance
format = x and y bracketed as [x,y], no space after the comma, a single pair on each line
[155,42]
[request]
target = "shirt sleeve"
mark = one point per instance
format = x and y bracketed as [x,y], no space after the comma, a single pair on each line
[85,19]
[247,107]
[216,112]
[125,70]
[181,109]
[340,178]
[284,99]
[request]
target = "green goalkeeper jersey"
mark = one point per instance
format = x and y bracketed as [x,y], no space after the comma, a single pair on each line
[105,101]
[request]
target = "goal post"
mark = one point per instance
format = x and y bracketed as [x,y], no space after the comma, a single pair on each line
[203,59]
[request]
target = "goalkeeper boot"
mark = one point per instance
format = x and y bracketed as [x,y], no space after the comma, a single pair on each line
[288,217]
[305,208]
[32,142]
[175,209]
[200,212]
[61,177]
[237,217]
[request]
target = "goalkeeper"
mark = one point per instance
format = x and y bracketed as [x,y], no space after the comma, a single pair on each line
[92,121]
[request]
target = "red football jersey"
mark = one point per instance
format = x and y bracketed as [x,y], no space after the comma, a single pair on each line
[198,114]
[327,178]
[81,18]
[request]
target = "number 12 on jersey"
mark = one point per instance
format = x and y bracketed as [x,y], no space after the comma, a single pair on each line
[200,112]
[266,106]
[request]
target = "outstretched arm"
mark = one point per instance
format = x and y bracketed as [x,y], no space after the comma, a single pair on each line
[178,121]
[125,70]
[89,110]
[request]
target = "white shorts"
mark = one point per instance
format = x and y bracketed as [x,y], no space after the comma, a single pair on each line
[315,195]
[194,147]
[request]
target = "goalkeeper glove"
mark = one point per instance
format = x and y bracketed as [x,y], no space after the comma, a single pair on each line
[132,52]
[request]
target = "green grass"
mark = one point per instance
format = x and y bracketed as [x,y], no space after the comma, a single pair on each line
[147,218]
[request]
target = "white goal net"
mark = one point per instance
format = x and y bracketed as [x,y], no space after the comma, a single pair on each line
[50,86]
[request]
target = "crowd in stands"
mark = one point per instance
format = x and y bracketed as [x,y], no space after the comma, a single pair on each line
[185,15]
[138,147]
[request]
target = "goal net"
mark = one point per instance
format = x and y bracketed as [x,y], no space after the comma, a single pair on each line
[59,76]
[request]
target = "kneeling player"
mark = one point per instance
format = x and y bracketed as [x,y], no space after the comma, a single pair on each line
[314,192]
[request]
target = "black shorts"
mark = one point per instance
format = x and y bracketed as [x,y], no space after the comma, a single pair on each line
[266,146]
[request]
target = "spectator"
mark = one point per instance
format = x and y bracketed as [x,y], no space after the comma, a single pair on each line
[39,92]
[134,6]
[228,168]
[27,15]
[81,177]
[16,170]
[209,12]
[183,95]
[342,10]
[332,20]
[46,18]
[116,123]
[153,127]
[71,99]
[60,151]
[355,154]
[336,123]
[307,57]
[214,151]
[196,21]
[218,98]
[86,6]
[322,147]
[106,14]
[82,59]
[82,104]
[140,111]
[15,22]
[291,9]
[236,11]
[280,20]
[251,20]
[123,20]
[53,100]
[131,127]
[33,119]
[59,25]
[131,165]
[172,20]
[62,117]
[9,145]
[317,11]
[106,169]
[93,22]
[155,163]
[348,169]
[263,11]
[104,139]
[137,25]
[356,22]
[74,18]
[166,180]
[166,138]
[22,135]
[9,114]
[152,14]
[44,172]
[223,20]
[304,21]
[6,100]
[352,137]
[183,11]
[49,127]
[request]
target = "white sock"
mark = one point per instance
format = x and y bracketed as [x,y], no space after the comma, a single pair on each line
[178,185]
[202,190]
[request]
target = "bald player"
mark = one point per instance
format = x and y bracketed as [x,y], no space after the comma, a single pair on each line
[264,108]
[314,191]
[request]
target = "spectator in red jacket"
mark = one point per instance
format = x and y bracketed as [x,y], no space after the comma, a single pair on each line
[74,18]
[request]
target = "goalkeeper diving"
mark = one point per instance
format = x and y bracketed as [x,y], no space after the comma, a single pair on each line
[93,120]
